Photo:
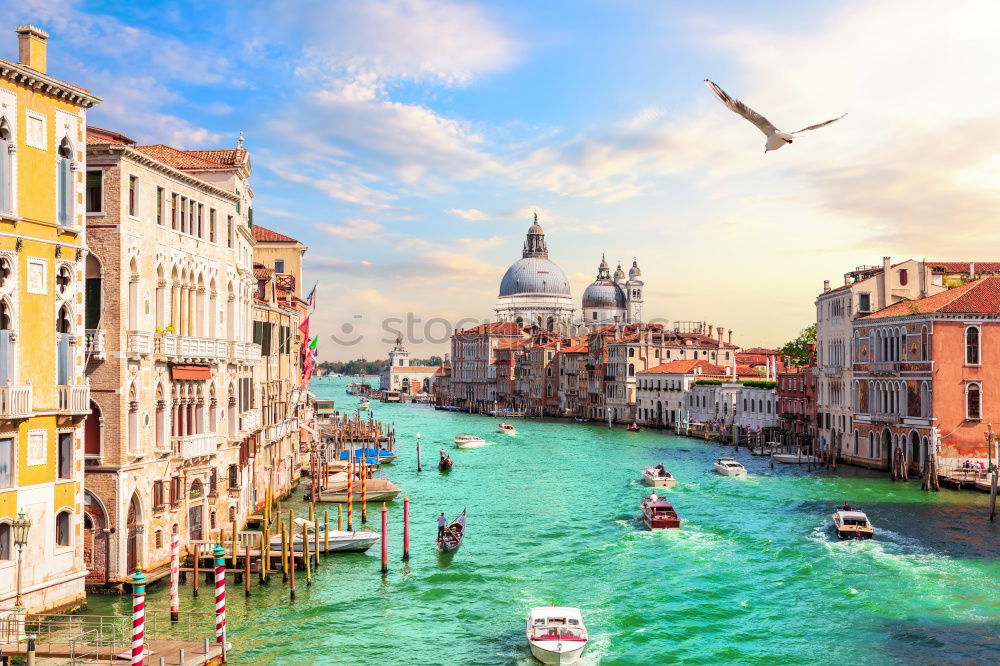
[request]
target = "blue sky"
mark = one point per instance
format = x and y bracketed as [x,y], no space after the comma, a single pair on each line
[408,142]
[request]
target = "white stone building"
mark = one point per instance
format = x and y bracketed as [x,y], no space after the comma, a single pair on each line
[399,375]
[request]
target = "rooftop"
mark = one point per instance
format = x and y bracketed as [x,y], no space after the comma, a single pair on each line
[684,367]
[980,296]
[264,235]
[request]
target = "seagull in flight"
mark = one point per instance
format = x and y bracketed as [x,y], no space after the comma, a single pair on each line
[775,137]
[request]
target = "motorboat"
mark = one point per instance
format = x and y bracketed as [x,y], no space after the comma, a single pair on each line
[453,535]
[852,523]
[337,541]
[376,490]
[795,458]
[506,429]
[658,477]
[469,442]
[658,513]
[729,467]
[556,634]
[381,455]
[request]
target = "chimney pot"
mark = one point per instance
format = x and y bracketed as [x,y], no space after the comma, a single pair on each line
[31,47]
[826,286]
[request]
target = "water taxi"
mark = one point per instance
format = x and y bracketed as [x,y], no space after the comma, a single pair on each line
[469,442]
[506,429]
[658,477]
[556,634]
[658,513]
[852,523]
[729,467]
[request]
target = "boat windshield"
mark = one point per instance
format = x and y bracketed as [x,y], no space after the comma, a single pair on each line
[556,633]
[858,522]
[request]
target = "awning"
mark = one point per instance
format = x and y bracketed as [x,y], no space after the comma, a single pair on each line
[195,372]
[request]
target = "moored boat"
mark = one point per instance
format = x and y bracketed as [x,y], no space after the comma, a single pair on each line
[657,476]
[381,455]
[469,442]
[337,541]
[506,429]
[795,458]
[658,513]
[556,634]
[453,535]
[852,523]
[729,467]
[376,490]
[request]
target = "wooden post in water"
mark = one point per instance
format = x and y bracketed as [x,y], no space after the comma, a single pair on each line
[364,493]
[772,458]
[340,517]
[406,527]
[350,493]
[246,569]
[385,540]
[194,588]
[305,554]
[265,553]
[326,531]
[993,493]
[291,554]
[234,546]
[419,468]
[284,552]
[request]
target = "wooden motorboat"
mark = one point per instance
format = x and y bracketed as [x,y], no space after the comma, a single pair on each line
[338,541]
[658,513]
[445,464]
[852,523]
[376,490]
[506,429]
[381,455]
[469,442]
[729,467]
[453,535]
[556,634]
[658,477]
[795,458]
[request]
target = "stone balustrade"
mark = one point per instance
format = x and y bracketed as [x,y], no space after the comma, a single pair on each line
[195,446]
[15,401]
[73,399]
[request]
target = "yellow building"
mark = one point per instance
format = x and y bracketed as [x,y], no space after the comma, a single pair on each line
[43,396]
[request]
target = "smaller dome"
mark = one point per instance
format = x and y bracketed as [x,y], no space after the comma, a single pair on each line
[619,274]
[603,295]
[634,272]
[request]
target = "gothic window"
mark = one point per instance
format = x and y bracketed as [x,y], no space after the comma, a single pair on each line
[924,352]
[62,529]
[64,181]
[64,278]
[972,345]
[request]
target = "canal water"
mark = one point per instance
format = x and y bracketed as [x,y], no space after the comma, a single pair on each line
[753,576]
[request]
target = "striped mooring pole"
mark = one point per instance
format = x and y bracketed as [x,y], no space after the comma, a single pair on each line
[138,617]
[174,575]
[220,596]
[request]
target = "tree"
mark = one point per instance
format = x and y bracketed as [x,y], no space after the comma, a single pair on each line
[797,350]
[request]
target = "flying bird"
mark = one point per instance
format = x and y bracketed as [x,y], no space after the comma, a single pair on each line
[775,137]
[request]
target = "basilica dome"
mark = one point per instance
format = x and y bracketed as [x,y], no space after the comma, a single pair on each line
[603,294]
[534,275]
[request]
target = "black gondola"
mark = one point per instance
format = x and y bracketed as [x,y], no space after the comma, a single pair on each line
[453,535]
[445,464]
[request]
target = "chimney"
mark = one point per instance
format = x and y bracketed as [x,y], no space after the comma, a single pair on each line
[886,265]
[972,270]
[721,331]
[31,47]
[826,286]
[730,336]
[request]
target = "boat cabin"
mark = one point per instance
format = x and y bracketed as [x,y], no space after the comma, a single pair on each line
[557,623]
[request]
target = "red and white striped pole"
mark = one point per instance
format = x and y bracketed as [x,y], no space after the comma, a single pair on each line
[220,596]
[138,617]
[174,575]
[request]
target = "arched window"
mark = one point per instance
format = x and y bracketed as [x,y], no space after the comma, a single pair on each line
[62,529]
[6,168]
[631,352]
[972,345]
[64,354]
[924,356]
[903,277]
[64,182]
[5,542]
[973,402]
[631,370]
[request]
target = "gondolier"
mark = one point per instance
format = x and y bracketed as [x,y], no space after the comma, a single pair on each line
[442,522]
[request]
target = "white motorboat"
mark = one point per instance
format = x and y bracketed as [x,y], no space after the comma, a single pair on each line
[469,442]
[338,541]
[729,467]
[852,523]
[506,429]
[556,634]
[376,490]
[658,477]
[795,458]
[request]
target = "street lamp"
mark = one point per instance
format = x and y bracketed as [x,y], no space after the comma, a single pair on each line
[20,529]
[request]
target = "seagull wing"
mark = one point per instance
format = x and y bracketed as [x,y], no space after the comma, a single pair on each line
[736,106]
[818,125]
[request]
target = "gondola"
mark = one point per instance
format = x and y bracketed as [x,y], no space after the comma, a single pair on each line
[453,535]
[445,464]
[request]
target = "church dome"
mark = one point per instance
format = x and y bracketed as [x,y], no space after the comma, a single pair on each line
[619,274]
[534,275]
[603,295]
[634,272]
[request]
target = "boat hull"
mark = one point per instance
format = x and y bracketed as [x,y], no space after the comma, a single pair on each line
[725,471]
[340,496]
[469,445]
[340,542]
[850,534]
[548,652]
[792,459]
[658,481]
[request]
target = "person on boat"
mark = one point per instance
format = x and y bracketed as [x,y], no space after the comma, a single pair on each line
[442,522]
[661,469]
[654,497]
[443,454]
[846,507]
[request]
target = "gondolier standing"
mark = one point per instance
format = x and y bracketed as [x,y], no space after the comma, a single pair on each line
[442,522]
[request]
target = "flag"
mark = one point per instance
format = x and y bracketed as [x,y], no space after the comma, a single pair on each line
[311,299]
[312,345]
[304,329]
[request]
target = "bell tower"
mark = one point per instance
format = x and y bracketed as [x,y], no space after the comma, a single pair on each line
[633,293]
[398,356]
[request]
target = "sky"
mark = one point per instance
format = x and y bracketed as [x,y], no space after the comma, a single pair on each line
[408,143]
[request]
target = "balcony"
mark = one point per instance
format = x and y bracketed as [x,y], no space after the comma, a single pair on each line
[190,348]
[139,342]
[15,401]
[250,420]
[277,431]
[94,343]
[246,352]
[73,400]
[833,370]
[195,446]
[883,367]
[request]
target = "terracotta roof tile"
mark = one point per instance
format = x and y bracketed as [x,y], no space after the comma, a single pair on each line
[225,157]
[684,367]
[97,136]
[581,348]
[965,266]
[178,159]
[264,235]
[980,296]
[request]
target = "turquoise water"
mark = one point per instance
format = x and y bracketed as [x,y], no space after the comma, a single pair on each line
[754,575]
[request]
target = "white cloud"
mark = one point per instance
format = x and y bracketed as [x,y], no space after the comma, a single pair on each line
[470,214]
[352,229]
